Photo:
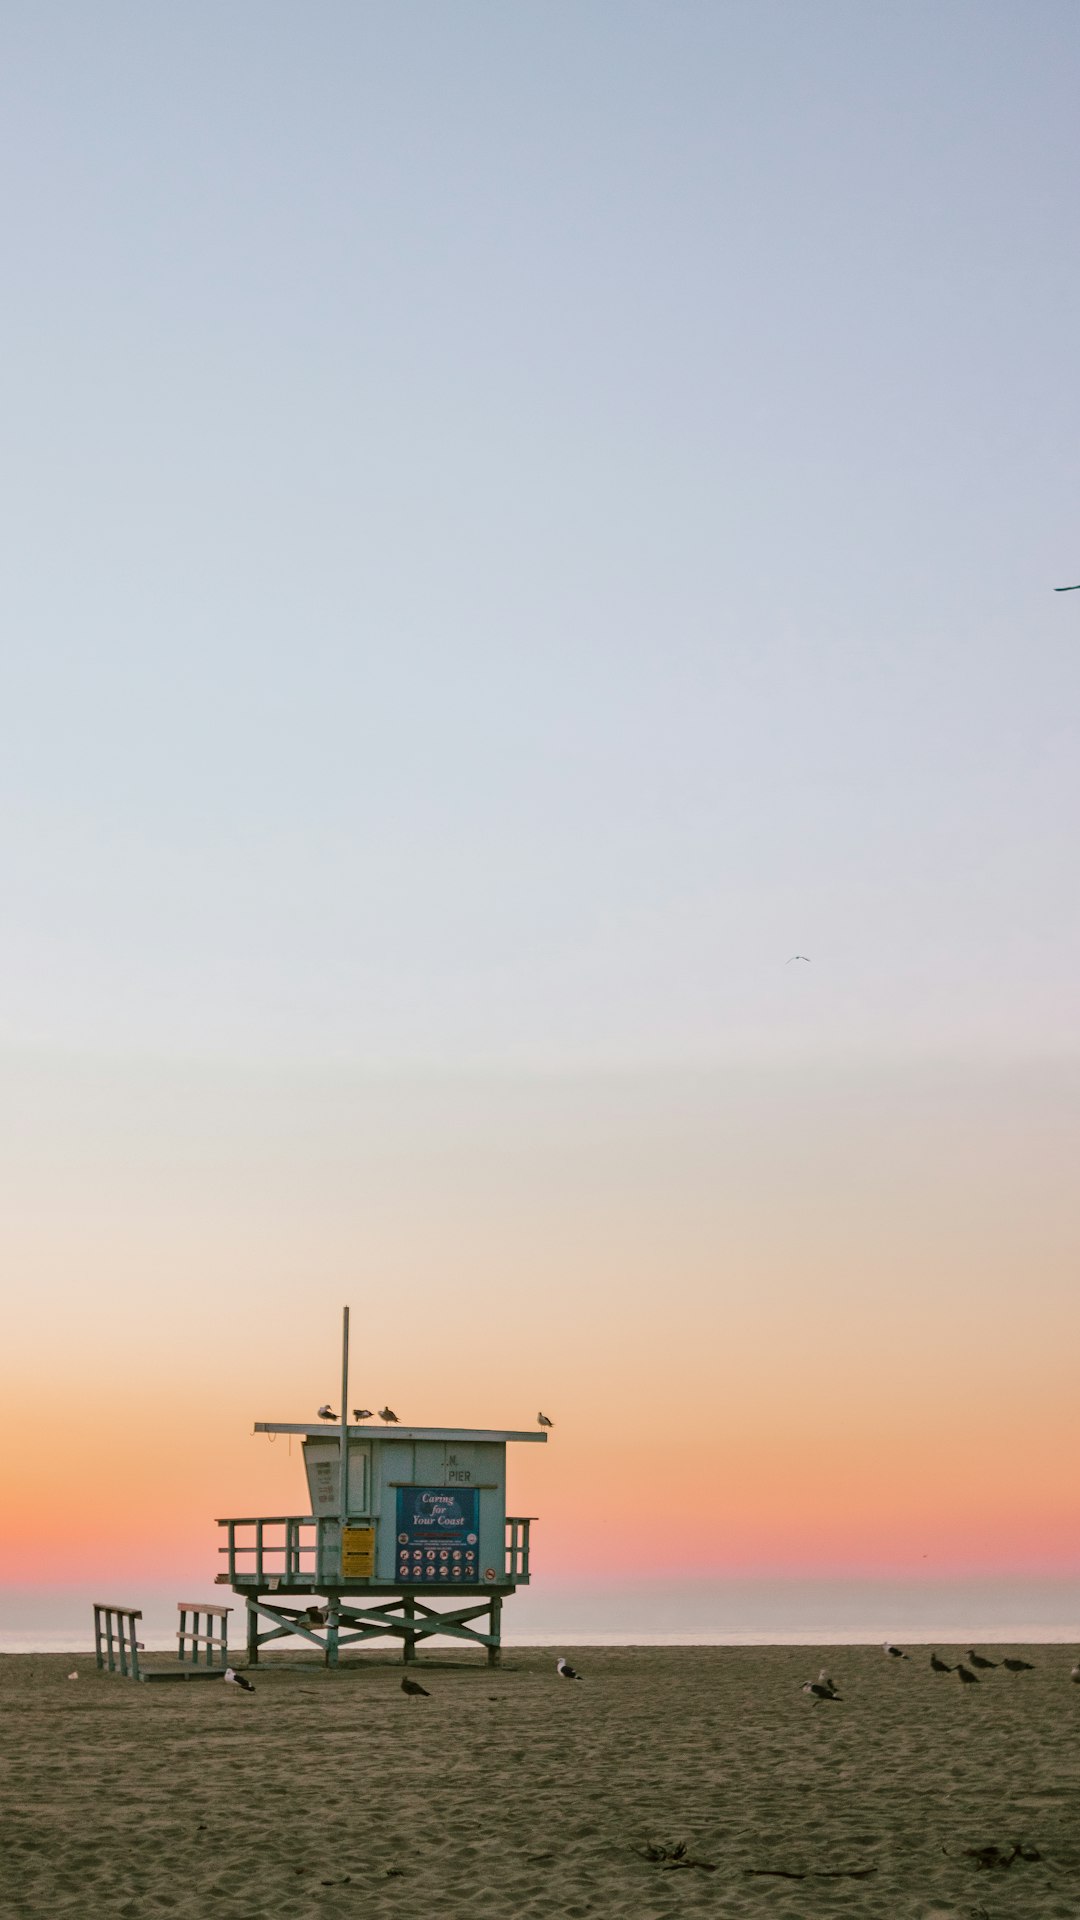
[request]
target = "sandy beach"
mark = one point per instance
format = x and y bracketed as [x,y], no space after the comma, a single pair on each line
[516,1794]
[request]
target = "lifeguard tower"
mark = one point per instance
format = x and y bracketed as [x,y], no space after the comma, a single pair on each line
[408,1536]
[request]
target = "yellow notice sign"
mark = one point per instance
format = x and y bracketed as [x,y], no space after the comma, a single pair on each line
[358,1553]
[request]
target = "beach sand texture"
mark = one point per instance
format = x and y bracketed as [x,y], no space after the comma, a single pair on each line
[516,1794]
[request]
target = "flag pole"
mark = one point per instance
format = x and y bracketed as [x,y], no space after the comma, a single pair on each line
[344,1481]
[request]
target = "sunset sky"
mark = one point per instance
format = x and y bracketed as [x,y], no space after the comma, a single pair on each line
[519,520]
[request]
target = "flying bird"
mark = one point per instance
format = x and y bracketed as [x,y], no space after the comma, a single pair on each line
[1018,1666]
[326,1411]
[894,1653]
[1072,589]
[976,1660]
[969,1679]
[821,1692]
[234,1679]
[565,1671]
[388,1414]
[361,1413]
[414,1690]
[798,956]
[543,1421]
[939,1666]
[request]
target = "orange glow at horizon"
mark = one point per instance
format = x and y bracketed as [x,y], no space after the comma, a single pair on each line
[782,1326]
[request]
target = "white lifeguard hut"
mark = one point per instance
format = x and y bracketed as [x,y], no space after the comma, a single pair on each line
[407,1537]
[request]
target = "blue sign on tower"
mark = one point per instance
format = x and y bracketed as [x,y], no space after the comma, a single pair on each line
[438,1535]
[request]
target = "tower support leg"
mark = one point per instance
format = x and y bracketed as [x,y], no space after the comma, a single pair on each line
[494,1651]
[252,1635]
[333,1621]
[408,1640]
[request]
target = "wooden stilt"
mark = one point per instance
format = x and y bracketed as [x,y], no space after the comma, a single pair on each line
[494,1652]
[252,1633]
[408,1639]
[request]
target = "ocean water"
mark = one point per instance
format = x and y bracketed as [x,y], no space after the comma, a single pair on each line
[1011,1609]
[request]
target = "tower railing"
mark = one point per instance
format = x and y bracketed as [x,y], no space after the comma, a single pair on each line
[304,1550]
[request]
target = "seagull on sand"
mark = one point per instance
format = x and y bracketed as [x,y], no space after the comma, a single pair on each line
[565,1671]
[414,1690]
[939,1666]
[894,1653]
[361,1413]
[326,1411]
[969,1679]
[234,1679]
[976,1660]
[543,1421]
[825,1679]
[1075,1675]
[388,1414]
[1018,1666]
[821,1692]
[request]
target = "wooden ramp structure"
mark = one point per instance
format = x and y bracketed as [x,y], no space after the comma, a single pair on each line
[117,1646]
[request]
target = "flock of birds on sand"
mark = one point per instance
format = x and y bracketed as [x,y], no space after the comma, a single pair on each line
[825,1688]
[389,1417]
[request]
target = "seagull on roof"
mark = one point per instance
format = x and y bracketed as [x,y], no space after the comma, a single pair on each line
[565,1671]
[798,956]
[234,1679]
[361,1413]
[543,1421]
[894,1653]
[388,1414]
[326,1412]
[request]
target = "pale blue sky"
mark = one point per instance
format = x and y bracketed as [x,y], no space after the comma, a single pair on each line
[518,518]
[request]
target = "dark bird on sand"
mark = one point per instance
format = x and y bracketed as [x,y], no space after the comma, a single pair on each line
[821,1692]
[1075,1675]
[414,1690]
[361,1413]
[825,1679]
[977,1660]
[234,1679]
[1018,1666]
[326,1412]
[388,1414]
[543,1421]
[894,1653]
[565,1671]
[939,1666]
[969,1679]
